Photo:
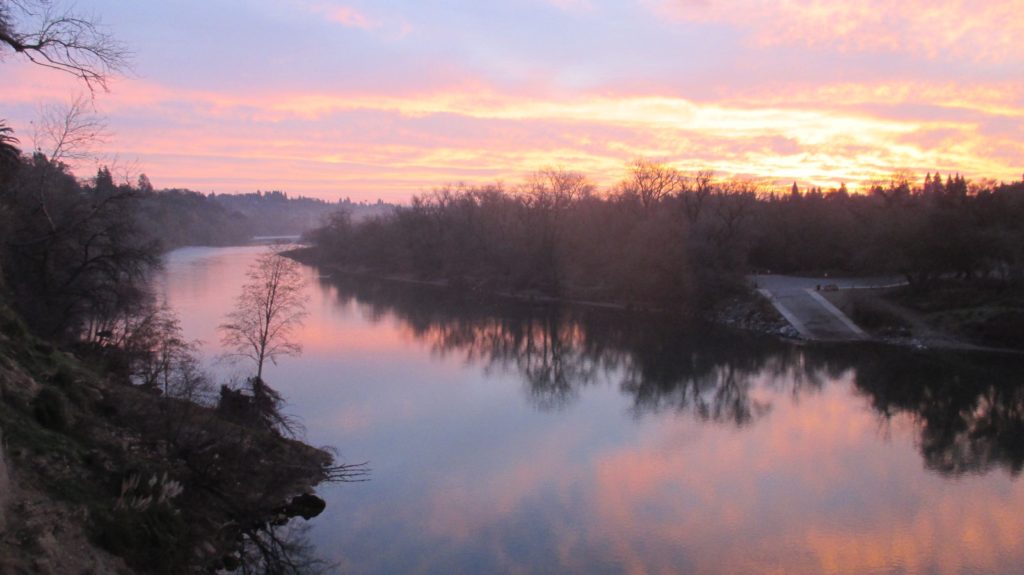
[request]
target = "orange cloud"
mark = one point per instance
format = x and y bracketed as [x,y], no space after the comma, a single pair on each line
[367,145]
[1001,98]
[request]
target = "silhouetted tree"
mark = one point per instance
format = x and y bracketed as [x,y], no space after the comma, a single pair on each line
[650,183]
[10,155]
[689,250]
[695,199]
[56,37]
[547,197]
[73,253]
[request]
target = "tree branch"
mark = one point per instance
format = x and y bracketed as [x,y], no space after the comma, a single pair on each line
[62,40]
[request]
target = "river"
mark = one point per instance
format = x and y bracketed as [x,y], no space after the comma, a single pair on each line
[504,437]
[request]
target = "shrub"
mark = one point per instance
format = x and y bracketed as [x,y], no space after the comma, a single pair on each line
[51,409]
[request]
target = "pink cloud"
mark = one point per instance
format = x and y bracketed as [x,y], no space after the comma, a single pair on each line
[342,14]
[984,31]
[348,16]
[366,144]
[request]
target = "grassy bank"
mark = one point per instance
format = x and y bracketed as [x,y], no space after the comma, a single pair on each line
[953,314]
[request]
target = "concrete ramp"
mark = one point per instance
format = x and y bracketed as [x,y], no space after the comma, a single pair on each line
[813,316]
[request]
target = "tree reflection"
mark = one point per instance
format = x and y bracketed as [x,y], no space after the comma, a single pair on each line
[557,351]
[968,410]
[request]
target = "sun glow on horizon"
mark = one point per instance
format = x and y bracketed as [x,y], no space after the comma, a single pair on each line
[394,137]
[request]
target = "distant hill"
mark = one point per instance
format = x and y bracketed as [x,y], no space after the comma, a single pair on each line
[180,217]
[275,214]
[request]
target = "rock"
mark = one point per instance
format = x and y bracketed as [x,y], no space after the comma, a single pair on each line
[306,506]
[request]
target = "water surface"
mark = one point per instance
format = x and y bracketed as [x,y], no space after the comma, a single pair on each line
[510,438]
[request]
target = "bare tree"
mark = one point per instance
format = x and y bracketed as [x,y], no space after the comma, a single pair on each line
[546,197]
[56,37]
[555,189]
[66,133]
[270,307]
[695,198]
[734,204]
[651,182]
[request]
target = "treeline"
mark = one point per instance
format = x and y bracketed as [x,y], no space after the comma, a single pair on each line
[76,257]
[179,217]
[683,241]
[555,236]
[942,228]
[273,213]
[73,257]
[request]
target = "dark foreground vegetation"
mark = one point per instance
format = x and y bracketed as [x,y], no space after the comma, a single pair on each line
[109,477]
[685,243]
[118,453]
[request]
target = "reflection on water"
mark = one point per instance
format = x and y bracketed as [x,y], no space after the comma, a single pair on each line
[509,437]
[968,409]
[969,412]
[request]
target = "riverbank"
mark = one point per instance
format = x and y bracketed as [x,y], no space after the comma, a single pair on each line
[105,477]
[950,316]
[747,312]
[967,319]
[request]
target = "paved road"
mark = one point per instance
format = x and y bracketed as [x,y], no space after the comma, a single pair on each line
[808,312]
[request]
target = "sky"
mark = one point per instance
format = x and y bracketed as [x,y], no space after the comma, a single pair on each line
[391,98]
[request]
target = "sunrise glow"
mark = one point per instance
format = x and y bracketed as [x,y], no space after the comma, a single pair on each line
[369,101]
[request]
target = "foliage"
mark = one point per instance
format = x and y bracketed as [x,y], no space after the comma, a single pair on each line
[51,409]
[258,406]
[10,155]
[73,253]
[923,233]
[185,218]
